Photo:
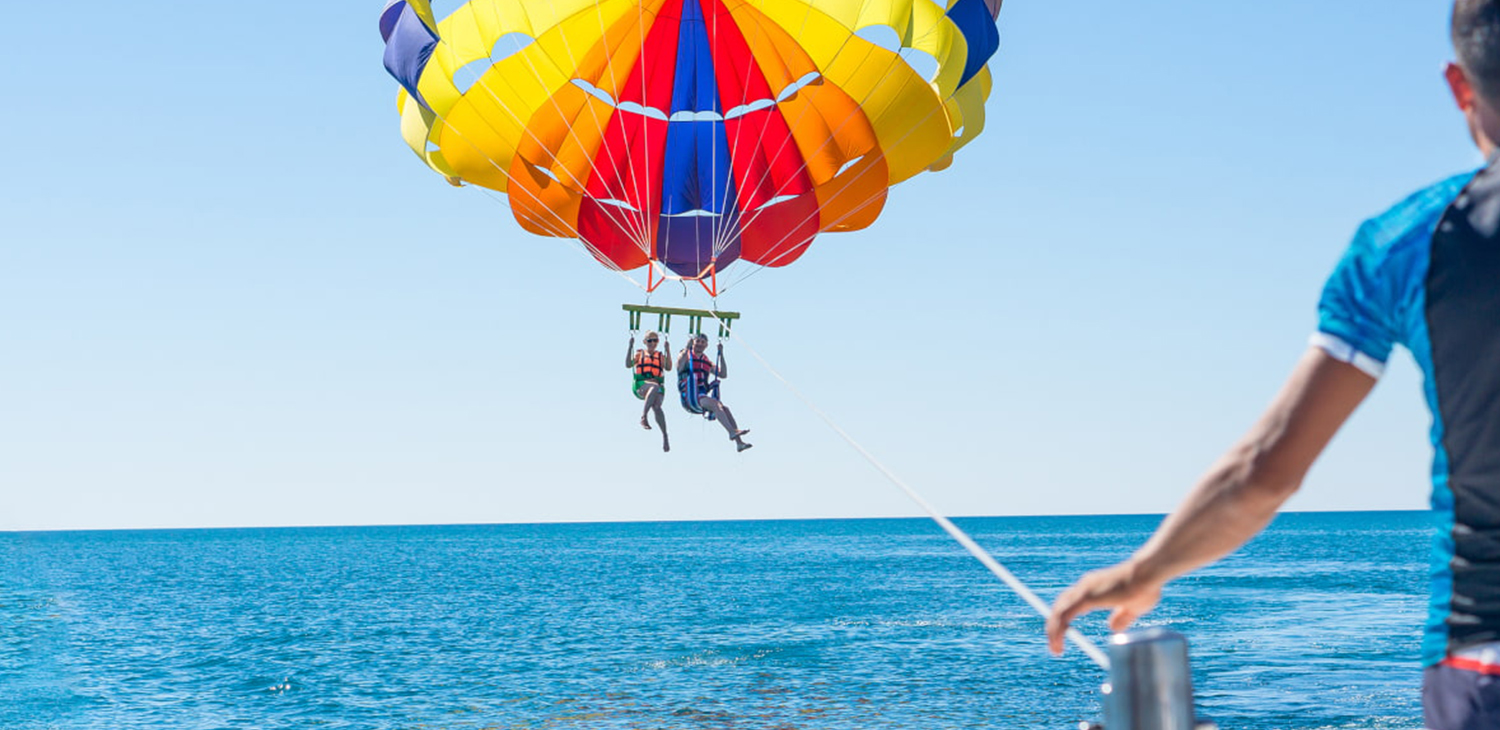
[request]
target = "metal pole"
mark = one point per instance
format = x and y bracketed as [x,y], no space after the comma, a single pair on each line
[1150,687]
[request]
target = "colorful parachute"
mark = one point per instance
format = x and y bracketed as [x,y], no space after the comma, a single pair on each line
[689,134]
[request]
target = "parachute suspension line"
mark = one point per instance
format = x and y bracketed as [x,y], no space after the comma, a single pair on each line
[562,229]
[853,211]
[713,286]
[727,226]
[752,215]
[650,284]
[664,232]
[973,548]
[830,140]
[722,233]
[742,223]
[843,46]
[565,232]
[713,172]
[523,123]
[861,206]
[587,247]
[591,250]
[646,235]
[624,220]
[806,108]
[641,230]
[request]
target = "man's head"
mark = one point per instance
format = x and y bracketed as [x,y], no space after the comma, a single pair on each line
[700,342]
[650,340]
[1475,77]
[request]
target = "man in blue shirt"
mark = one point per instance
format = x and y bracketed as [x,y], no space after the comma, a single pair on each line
[1425,275]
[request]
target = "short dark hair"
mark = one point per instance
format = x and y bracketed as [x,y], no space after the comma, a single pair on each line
[1476,40]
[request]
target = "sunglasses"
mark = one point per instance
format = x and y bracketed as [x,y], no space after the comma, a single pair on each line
[653,339]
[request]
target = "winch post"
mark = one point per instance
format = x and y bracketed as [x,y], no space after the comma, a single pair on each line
[1150,685]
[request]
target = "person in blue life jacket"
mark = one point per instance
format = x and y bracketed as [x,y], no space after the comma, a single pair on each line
[698,384]
[649,381]
[1425,275]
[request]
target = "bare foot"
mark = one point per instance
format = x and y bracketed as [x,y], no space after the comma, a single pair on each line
[666,446]
[741,446]
[645,425]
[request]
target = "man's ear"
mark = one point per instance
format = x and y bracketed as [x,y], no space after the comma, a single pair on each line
[1458,83]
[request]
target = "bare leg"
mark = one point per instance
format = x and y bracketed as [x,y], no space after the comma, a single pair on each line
[725,418]
[652,391]
[653,404]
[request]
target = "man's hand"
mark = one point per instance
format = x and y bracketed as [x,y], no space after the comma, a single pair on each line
[1116,587]
[1232,502]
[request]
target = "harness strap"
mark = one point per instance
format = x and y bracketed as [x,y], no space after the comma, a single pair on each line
[693,383]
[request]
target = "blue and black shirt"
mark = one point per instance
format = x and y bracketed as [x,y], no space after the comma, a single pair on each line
[1426,275]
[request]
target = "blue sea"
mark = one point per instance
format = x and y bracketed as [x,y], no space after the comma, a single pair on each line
[816,624]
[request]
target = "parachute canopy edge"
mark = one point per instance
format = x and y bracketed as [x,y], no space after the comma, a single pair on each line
[410,34]
[688,135]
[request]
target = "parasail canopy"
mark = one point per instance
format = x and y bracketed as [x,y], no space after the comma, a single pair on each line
[689,134]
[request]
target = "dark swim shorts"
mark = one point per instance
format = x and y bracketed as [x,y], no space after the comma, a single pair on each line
[1459,695]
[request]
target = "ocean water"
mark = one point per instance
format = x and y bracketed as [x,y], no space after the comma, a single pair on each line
[779,624]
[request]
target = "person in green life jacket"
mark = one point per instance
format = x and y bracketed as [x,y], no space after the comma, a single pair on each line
[700,395]
[649,368]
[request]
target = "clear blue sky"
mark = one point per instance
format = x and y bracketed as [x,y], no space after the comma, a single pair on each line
[230,295]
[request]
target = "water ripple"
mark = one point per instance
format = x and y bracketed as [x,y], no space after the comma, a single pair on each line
[805,624]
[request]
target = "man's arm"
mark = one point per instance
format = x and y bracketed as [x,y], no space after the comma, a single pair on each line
[630,353]
[722,370]
[1233,502]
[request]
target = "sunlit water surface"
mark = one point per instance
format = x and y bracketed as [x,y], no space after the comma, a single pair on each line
[799,624]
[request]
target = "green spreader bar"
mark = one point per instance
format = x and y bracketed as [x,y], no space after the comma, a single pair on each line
[695,318]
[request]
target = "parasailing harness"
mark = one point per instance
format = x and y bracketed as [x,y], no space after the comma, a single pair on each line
[697,379]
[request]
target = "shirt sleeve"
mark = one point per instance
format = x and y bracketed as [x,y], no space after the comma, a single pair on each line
[1357,312]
